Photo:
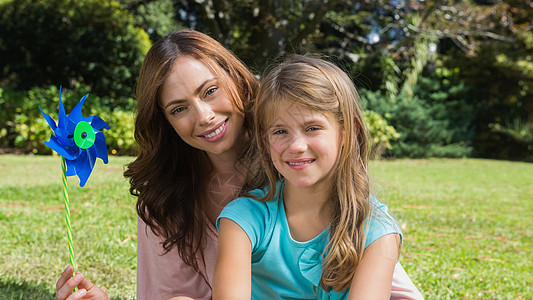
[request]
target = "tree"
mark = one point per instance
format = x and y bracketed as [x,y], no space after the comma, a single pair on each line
[68,42]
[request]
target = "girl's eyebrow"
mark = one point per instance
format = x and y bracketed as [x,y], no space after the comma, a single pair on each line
[309,121]
[198,89]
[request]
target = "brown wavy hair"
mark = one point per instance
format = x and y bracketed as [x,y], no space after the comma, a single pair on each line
[169,176]
[323,87]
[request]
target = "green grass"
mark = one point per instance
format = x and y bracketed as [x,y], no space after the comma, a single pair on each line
[467,226]
[33,243]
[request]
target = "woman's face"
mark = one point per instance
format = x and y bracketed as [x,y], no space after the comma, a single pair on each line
[199,109]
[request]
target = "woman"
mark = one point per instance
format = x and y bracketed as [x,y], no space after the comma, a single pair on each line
[194,131]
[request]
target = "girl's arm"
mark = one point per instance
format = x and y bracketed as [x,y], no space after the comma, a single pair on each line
[233,270]
[373,276]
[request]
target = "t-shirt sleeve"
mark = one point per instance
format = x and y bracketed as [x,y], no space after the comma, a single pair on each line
[251,215]
[380,222]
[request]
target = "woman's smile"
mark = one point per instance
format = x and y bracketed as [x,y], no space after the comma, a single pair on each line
[199,108]
[215,134]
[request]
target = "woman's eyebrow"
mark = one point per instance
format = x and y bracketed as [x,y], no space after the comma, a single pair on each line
[198,89]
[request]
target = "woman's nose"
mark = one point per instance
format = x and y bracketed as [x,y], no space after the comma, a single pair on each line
[205,113]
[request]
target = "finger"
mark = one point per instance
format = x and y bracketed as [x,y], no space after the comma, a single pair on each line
[84,283]
[77,295]
[68,287]
[65,276]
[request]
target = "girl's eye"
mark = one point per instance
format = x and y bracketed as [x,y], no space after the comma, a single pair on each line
[177,110]
[313,128]
[279,131]
[210,91]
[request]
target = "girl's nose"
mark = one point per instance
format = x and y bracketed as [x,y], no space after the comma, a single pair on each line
[205,113]
[297,145]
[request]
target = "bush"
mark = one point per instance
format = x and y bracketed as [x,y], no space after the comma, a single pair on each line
[436,122]
[381,133]
[68,42]
[25,128]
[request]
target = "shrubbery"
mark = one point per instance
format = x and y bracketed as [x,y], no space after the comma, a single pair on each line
[381,133]
[436,122]
[24,127]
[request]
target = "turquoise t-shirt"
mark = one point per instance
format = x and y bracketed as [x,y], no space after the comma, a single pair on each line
[283,268]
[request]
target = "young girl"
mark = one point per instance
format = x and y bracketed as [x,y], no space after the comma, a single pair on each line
[316,231]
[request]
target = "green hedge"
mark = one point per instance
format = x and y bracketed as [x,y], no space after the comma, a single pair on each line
[23,127]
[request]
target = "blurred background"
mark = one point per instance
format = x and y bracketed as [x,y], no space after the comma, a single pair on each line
[445,78]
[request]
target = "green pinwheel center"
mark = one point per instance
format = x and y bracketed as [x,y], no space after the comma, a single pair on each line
[84,135]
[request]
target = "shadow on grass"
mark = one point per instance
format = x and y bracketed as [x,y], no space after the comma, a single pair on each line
[13,290]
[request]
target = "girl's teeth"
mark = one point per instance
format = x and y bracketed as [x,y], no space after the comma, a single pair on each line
[299,163]
[214,133]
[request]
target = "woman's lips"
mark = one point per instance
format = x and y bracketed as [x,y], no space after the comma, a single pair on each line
[215,134]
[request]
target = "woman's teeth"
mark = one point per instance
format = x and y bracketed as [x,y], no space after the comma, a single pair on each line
[216,132]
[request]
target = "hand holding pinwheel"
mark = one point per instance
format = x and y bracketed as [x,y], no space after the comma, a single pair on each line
[79,141]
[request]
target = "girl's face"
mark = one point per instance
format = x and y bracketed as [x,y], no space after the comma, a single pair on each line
[304,146]
[199,109]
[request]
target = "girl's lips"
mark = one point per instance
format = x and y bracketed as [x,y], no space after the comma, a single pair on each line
[216,133]
[300,164]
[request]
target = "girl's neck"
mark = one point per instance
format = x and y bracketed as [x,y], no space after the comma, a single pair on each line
[307,210]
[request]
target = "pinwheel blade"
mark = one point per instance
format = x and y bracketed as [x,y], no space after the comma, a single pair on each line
[101,147]
[49,120]
[76,115]
[57,147]
[96,122]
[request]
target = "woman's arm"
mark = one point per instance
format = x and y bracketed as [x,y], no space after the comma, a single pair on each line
[233,270]
[373,276]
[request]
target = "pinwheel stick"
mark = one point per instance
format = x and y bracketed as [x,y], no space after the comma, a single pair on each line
[79,141]
[67,216]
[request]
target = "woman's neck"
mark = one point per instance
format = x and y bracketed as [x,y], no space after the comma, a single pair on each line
[224,183]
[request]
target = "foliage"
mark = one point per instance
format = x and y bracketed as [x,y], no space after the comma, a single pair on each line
[381,133]
[58,42]
[157,18]
[435,122]
[24,127]
[491,44]
[516,140]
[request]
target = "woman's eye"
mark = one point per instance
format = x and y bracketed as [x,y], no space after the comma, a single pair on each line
[210,91]
[313,128]
[177,110]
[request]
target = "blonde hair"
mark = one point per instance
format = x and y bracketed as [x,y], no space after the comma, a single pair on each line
[323,87]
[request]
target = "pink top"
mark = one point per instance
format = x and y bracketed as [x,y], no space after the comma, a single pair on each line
[166,276]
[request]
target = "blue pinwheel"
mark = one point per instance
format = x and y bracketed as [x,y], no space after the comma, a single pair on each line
[77,139]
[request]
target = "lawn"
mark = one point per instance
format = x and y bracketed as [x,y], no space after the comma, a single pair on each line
[467,226]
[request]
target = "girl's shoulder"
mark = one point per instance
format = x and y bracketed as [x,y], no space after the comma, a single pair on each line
[380,222]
